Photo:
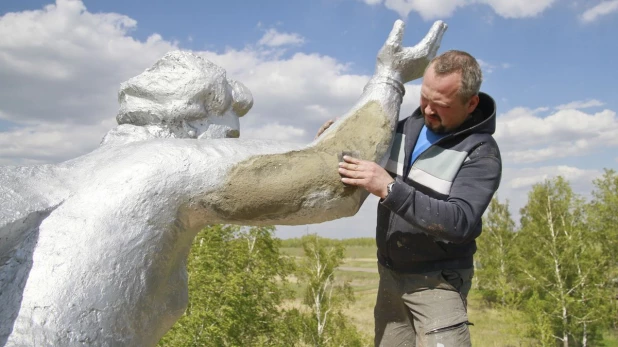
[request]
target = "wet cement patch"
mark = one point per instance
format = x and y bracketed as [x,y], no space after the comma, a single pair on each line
[294,186]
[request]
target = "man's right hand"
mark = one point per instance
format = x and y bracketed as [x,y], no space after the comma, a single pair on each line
[324,127]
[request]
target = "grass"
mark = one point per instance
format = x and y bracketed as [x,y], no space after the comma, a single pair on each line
[367,263]
[493,327]
[357,252]
[360,311]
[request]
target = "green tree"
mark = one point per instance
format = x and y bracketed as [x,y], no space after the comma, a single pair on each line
[563,267]
[496,270]
[603,219]
[604,211]
[325,325]
[234,290]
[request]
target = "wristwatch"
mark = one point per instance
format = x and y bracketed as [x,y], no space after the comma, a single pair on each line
[389,188]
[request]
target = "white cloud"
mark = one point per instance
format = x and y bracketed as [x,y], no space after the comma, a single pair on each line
[488,68]
[527,177]
[302,91]
[431,9]
[410,100]
[525,137]
[518,8]
[372,2]
[602,9]
[427,9]
[273,38]
[517,182]
[65,107]
[62,110]
[276,132]
[485,66]
[578,105]
[60,69]
[46,142]
[363,224]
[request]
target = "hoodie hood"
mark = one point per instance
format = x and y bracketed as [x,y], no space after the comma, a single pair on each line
[481,120]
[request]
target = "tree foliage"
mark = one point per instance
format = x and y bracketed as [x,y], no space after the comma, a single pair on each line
[603,220]
[325,324]
[496,269]
[548,223]
[558,267]
[603,211]
[234,290]
[351,242]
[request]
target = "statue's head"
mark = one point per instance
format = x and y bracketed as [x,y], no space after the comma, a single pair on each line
[185,96]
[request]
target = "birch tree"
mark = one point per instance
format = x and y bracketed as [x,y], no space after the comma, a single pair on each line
[326,325]
[604,211]
[603,218]
[496,256]
[562,263]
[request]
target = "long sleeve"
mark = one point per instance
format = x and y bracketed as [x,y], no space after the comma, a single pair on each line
[454,219]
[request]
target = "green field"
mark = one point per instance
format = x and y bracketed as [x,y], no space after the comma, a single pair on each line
[492,327]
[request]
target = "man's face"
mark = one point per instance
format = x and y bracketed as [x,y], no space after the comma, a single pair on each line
[441,105]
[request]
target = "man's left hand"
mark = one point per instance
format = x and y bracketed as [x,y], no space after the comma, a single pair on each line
[366,174]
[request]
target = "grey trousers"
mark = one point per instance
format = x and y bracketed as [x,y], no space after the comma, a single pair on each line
[422,310]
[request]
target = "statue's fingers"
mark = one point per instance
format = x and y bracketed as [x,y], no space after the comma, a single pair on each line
[396,36]
[438,29]
[431,42]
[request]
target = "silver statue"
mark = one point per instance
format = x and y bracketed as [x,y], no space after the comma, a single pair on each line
[93,250]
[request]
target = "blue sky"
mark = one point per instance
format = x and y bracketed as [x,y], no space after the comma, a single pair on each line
[550,65]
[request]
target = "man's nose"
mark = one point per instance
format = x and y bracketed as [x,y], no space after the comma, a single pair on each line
[428,110]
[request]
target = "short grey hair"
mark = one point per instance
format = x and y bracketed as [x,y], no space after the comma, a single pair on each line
[459,61]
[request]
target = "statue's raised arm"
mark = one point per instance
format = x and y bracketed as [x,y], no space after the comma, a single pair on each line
[93,250]
[303,186]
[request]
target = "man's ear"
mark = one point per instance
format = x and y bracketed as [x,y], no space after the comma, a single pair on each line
[473,103]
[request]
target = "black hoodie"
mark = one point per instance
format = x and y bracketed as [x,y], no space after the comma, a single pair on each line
[433,214]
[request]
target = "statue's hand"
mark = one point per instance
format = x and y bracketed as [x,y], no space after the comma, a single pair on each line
[405,64]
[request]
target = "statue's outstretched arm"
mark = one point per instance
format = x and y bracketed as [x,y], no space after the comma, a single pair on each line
[303,186]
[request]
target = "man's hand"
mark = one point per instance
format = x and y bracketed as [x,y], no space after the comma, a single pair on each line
[366,174]
[324,127]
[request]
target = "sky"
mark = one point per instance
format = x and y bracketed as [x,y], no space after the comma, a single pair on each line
[549,64]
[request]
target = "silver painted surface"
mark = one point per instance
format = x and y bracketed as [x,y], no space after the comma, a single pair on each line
[93,250]
[180,96]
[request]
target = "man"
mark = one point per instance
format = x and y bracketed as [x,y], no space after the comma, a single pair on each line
[446,168]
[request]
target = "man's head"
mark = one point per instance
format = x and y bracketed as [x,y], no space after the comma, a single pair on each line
[449,92]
